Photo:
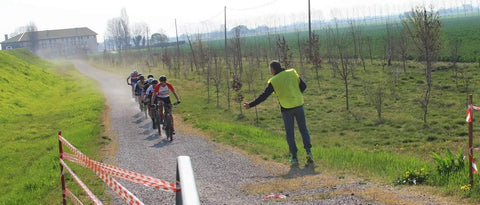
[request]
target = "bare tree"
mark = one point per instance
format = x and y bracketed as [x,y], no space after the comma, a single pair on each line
[455,46]
[139,34]
[237,53]
[375,94]
[125,23]
[118,30]
[31,30]
[194,58]
[285,56]
[403,47]
[346,66]
[314,57]
[389,44]
[425,29]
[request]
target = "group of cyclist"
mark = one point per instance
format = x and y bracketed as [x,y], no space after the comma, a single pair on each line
[151,92]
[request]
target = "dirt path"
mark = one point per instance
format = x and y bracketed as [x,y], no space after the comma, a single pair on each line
[223,175]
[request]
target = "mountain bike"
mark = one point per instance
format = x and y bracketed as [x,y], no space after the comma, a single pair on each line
[167,120]
[156,119]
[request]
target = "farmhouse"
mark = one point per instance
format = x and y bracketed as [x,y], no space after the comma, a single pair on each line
[55,43]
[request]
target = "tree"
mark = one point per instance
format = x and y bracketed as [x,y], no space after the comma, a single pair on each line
[425,29]
[344,56]
[158,38]
[118,30]
[375,94]
[455,46]
[314,55]
[285,55]
[139,32]
[403,47]
[125,26]
[389,44]
[31,30]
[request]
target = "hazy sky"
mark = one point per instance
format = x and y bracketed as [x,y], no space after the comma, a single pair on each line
[192,15]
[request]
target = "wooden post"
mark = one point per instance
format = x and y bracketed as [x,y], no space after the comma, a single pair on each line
[62,176]
[470,140]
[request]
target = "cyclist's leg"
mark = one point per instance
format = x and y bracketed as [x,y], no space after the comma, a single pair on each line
[161,102]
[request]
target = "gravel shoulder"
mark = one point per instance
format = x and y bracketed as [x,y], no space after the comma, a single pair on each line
[223,174]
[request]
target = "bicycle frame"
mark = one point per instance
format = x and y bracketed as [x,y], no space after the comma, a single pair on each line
[167,118]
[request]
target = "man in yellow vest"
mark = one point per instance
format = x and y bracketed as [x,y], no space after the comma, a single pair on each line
[288,87]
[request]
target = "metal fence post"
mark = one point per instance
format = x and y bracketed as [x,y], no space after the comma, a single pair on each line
[62,176]
[188,194]
[470,140]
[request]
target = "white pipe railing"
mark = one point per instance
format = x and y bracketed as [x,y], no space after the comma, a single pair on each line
[188,194]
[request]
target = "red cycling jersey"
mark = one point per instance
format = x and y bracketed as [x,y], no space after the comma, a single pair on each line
[163,91]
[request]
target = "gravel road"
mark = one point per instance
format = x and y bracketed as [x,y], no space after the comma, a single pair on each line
[220,172]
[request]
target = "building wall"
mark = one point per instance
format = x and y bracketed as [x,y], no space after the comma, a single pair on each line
[60,47]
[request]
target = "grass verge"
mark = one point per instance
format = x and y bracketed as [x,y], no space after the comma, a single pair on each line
[38,99]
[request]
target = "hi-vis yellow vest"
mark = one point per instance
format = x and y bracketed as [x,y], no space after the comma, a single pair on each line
[286,87]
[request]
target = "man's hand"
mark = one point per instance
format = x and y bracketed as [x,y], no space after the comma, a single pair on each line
[246,106]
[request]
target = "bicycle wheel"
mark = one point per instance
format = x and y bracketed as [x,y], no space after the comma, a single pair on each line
[157,120]
[145,110]
[168,126]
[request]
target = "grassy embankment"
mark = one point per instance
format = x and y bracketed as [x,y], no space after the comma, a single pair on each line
[39,98]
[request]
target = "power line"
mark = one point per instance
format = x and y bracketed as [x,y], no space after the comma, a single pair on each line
[254,7]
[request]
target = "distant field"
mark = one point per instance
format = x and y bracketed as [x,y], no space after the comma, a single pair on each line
[465,28]
[39,98]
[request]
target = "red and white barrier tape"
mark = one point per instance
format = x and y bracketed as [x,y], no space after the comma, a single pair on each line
[105,172]
[278,196]
[92,196]
[126,195]
[469,112]
[123,174]
[73,197]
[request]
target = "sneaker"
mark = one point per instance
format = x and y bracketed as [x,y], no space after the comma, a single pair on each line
[173,132]
[309,157]
[294,160]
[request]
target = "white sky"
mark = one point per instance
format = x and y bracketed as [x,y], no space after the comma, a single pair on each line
[192,15]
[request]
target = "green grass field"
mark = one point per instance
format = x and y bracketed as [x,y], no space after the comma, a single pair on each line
[38,99]
[354,142]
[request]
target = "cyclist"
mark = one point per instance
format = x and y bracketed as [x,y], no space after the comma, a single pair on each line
[148,96]
[161,93]
[133,79]
[138,87]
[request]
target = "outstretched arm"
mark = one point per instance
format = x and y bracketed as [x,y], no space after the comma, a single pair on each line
[262,97]
[176,96]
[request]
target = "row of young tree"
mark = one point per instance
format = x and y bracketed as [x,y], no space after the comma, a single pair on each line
[225,68]
[121,35]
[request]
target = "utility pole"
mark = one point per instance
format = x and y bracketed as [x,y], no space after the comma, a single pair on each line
[226,62]
[178,50]
[309,30]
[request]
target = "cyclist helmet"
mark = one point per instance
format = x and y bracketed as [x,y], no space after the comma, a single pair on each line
[162,78]
[135,71]
[141,77]
[150,80]
[154,81]
[150,76]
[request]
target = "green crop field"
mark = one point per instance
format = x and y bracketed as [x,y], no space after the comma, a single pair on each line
[39,98]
